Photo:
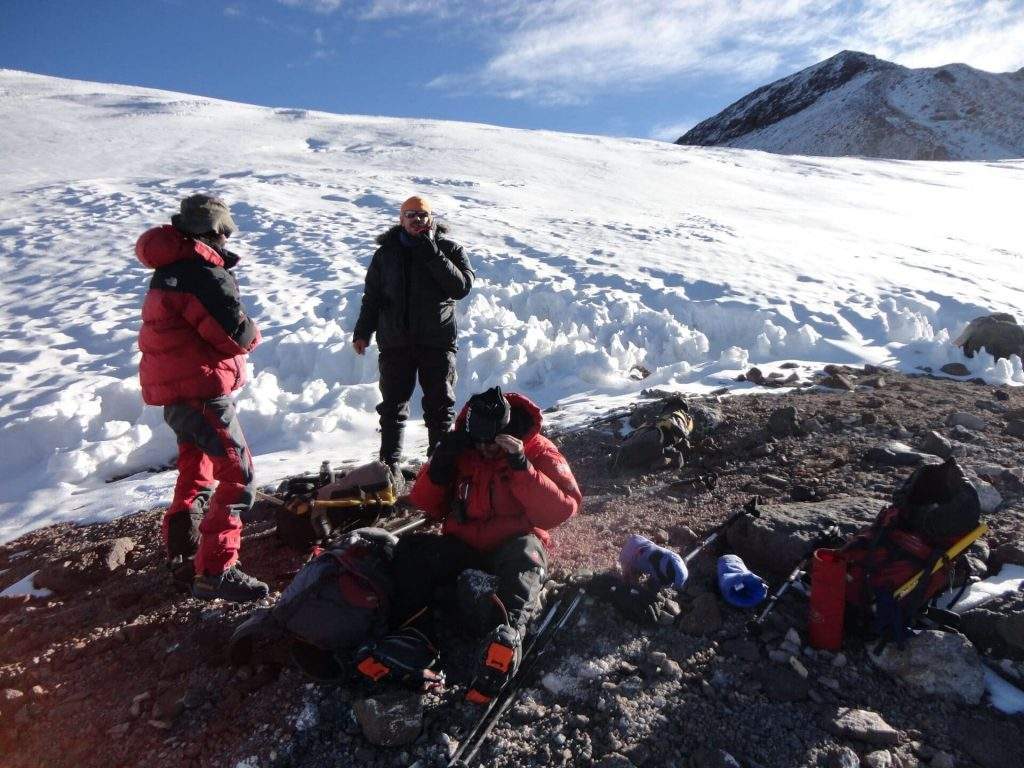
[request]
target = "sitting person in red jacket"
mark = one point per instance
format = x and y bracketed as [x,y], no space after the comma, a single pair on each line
[498,487]
[194,339]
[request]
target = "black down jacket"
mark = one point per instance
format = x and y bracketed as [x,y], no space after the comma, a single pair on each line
[410,292]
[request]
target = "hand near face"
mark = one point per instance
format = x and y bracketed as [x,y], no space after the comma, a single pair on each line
[509,444]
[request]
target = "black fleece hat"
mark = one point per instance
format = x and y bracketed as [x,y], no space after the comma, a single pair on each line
[202,214]
[487,415]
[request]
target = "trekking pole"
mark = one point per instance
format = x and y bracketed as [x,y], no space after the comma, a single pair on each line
[528,666]
[750,508]
[262,496]
[456,759]
[410,526]
[755,625]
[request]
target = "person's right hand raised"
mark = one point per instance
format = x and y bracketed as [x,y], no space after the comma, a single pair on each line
[360,345]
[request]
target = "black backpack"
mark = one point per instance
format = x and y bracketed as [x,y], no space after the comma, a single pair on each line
[338,601]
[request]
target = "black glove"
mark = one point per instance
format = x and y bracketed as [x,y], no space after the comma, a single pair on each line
[427,246]
[636,602]
[517,460]
[441,469]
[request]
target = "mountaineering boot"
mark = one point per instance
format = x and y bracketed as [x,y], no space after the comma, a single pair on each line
[405,657]
[499,661]
[234,585]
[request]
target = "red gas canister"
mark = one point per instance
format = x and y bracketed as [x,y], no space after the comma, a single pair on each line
[828,599]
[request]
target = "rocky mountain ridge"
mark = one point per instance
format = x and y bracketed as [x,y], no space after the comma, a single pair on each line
[856,104]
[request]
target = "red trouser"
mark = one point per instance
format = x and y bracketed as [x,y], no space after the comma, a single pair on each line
[211,447]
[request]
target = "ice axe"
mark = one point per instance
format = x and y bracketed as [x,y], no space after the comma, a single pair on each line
[756,624]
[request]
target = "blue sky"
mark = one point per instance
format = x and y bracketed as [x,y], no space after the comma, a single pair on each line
[645,68]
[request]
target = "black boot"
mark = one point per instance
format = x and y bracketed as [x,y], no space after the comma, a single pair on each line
[499,661]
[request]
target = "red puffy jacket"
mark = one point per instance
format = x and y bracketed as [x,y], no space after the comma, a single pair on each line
[194,334]
[500,502]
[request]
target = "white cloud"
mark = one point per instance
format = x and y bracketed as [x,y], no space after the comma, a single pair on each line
[317,6]
[563,50]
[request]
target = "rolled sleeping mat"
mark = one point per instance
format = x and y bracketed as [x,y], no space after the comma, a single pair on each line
[739,586]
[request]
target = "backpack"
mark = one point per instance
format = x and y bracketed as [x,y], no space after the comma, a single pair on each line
[338,601]
[665,439]
[317,507]
[933,513]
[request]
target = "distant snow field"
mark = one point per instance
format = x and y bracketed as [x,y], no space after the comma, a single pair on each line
[593,256]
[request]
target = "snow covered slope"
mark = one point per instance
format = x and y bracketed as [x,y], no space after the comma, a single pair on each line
[593,256]
[856,104]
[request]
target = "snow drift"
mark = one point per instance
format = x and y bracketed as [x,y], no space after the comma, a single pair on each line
[593,256]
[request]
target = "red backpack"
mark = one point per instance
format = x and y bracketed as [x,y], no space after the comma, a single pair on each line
[934,509]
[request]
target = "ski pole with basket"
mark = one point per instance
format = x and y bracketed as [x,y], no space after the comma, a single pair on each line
[554,620]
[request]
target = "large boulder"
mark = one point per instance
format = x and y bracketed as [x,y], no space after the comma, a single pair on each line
[998,334]
[943,664]
[997,625]
[776,540]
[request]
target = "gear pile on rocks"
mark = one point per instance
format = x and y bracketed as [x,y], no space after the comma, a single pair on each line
[107,662]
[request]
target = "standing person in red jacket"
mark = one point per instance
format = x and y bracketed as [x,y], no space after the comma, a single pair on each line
[194,339]
[498,487]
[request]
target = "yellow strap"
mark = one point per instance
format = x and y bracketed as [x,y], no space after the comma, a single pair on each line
[952,552]
[386,498]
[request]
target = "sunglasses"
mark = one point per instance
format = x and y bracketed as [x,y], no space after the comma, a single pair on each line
[424,215]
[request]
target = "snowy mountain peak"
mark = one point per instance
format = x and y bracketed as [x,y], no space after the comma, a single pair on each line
[854,103]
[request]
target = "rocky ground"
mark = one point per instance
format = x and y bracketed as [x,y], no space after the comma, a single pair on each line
[118,667]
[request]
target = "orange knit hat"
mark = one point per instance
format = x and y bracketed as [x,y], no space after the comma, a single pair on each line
[416,203]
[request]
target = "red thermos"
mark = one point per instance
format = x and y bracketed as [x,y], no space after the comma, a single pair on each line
[828,599]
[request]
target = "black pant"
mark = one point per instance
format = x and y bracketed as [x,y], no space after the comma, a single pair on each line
[399,367]
[424,562]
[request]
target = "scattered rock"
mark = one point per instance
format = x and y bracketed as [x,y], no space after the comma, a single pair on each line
[880,758]
[775,481]
[936,663]
[844,757]
[1015,428]
[11,699]
[613,760]
[956,369]
[943,760]
[997,625]
[988,496]
[837,381]
[862,725]
[937,445]
[966,420]
[391,719]
[998,334]
[896,454]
